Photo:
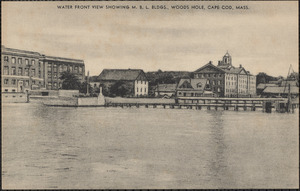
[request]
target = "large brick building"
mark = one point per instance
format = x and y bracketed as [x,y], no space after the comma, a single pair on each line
[56,65]
[26,70]
[227,80]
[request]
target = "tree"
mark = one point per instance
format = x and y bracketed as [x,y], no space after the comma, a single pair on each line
[120,88]
[70,81]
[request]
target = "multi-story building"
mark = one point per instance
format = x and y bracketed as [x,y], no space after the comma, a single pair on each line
[134,80]
[227,80]
[26,70]
[56,65]
[21,70]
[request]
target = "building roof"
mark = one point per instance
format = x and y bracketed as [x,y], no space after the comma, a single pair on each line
[192,84]
[120,74]
[287,83]
[277,90]
[210,65]
[263,86]
[13,51]
[61,59]
[166,87]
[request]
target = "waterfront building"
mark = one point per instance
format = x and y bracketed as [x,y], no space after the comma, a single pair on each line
[56,65]
[227,80]
[260,87]
[21,70]
[193,88]
[134,80]
[27,70]
[165,90]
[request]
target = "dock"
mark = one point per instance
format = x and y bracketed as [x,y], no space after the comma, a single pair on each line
[216,103]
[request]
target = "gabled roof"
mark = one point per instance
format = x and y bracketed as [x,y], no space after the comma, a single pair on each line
[120,74]
[234,70]
[166,87]
[210,65]
[193,84]
[275,90]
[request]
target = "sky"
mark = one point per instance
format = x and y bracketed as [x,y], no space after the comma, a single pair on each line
[263,38]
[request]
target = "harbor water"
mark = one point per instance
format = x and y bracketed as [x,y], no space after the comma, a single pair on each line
[67,147]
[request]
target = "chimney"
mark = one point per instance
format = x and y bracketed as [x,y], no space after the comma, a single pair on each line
[240,66]
[210,62]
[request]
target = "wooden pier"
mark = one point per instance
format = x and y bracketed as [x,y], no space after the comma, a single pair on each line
[209,103]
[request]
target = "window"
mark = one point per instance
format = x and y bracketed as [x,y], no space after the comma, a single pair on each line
[71,68]
[27,83]
[55,68]
[213,82]
[33,72]
[49,84]
[20,71]
[219,82]
[80,69]
[19,60]
[6,58]
[215,75]
[40,64]
[40,74]
[141,89]
[26,72]
[5,72]
[145,90]
[5,81]
[65,68]
[49,67]
[27,62]
[220,75]
[76,69]
[6,90]
[60,68]
[55,84]
[13,71]
[199,85]
[32,62]
[55,75]
[33,81]
[13,60]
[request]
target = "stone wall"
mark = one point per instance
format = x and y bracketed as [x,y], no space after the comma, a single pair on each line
[13,97]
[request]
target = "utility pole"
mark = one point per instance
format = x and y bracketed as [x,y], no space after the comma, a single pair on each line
[87,83]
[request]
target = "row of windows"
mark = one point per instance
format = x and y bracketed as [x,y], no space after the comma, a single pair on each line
[230,77]
[61,68]
[137,90]
[14,82]
[54,84]
[230,83]
[13,71]
[20,60]
[208,75]
[141,82]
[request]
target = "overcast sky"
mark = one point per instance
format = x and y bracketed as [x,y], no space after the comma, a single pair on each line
[263,38]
